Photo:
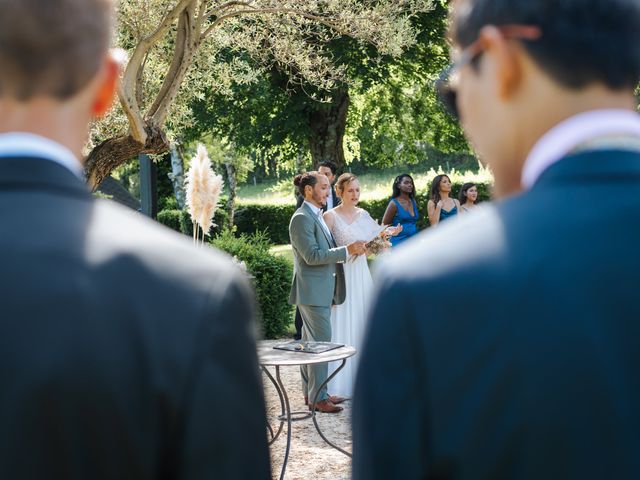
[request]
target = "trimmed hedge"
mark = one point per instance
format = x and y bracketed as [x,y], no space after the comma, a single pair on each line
[274,219]
[180,221]
[272,278]
[272,273]
[271,219]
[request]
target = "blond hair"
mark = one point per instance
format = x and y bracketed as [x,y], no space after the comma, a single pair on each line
[343,181]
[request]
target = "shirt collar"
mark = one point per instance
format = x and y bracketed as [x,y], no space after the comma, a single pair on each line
[22,144]
[313,208]
[570,133]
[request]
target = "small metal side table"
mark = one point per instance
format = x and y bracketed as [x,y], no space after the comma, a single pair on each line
[271,357]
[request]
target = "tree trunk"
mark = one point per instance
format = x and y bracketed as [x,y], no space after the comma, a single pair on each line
[112,153]
[327,125]
[233,188]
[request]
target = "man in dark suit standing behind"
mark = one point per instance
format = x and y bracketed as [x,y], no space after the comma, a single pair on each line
[125,353]
[328,169]
[507,344]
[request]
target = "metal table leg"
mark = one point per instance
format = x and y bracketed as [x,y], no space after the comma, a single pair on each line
[313,410]
[282,409]
[287,414]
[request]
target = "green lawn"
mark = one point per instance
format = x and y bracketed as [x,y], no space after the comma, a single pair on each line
[283,251]
[372,185]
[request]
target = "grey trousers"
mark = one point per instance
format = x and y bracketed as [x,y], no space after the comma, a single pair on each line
[316,326]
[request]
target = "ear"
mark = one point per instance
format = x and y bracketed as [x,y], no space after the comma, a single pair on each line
[505,58]
[106,90]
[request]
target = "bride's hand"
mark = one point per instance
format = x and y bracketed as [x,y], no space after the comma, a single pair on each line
[393,231]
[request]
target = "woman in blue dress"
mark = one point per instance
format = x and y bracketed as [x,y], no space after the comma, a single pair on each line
[441,206]
[402,209]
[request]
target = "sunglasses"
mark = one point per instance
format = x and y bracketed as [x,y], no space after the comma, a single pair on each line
[445,84]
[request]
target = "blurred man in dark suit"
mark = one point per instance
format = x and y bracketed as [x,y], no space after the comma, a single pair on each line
[125,353]
[507,344]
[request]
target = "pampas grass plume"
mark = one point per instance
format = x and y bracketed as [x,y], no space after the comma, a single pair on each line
[203,189]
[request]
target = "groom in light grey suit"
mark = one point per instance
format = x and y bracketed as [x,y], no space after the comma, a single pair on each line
[318,279]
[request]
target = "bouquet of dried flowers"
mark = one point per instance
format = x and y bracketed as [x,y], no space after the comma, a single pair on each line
[378,244]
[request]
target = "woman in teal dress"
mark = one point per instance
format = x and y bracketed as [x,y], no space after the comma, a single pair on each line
[441,206]
[402,209]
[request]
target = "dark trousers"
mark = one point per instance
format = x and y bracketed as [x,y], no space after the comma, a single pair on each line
[298,324]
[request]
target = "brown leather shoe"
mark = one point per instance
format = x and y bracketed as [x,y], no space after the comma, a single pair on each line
[332,398]
[325,406]
[336,399]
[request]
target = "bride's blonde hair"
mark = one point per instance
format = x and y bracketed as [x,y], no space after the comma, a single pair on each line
[344,180]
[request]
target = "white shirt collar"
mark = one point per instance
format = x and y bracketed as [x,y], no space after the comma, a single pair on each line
[330,200]
[316,210]
[570,133]
[22,144]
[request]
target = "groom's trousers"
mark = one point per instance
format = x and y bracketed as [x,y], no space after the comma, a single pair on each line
[316,327]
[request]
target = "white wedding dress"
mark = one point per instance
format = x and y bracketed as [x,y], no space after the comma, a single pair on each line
[348,319]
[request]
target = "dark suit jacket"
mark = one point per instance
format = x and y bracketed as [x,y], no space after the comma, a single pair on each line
[336,200]
[507,344]
[125,352]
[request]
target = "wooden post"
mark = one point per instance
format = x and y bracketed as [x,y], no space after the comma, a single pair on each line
[148,186]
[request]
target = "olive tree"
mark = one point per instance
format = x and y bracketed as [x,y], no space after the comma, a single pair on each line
[176,50]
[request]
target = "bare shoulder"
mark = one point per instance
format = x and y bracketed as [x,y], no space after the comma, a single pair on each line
[329,217]
[363,212]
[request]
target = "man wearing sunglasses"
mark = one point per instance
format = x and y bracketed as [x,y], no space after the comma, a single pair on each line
[533,373]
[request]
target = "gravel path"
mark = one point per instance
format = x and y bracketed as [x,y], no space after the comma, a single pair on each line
[310,456]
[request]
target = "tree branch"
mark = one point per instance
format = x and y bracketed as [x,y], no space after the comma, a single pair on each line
[224,6]
[127,90]
[288,11]
[182,58]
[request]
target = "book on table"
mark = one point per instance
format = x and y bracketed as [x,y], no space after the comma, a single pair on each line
[307,347]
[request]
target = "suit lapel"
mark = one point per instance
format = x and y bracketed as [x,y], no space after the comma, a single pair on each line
[316,219]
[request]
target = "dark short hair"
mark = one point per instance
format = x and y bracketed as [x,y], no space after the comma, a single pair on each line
[330,165]
[434,193]
[463,191]
[582,41]
[303,179]
[396,185]
[52,48]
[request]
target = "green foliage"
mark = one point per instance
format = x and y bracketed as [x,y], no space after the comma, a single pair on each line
[274,219]
[170,218]
[180,221]
[393,114]
[272,278]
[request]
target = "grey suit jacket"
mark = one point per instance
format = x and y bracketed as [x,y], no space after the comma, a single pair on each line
[318,277]
[125,352]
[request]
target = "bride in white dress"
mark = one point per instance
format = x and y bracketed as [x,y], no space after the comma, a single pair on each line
[348,223]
